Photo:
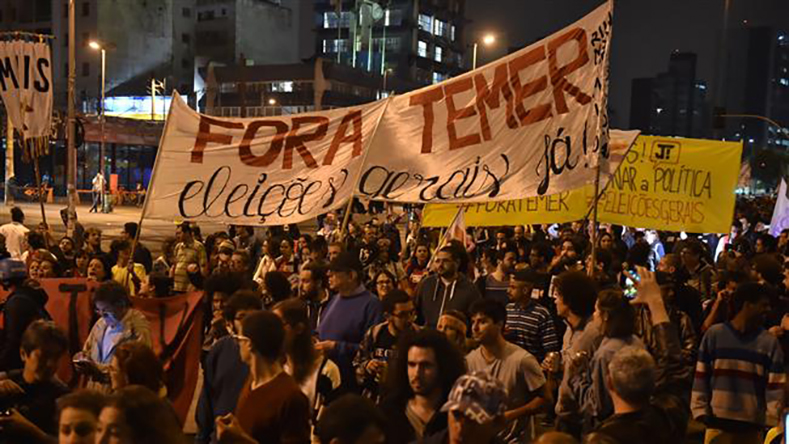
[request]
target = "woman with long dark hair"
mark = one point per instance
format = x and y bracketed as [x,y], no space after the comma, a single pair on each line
[317,376]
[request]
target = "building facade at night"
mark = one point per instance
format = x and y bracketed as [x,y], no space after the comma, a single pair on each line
[673,103]
[417,41]
[151,39]
[757,83]
[272,90]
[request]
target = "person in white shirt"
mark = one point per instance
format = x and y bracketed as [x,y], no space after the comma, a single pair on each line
[98,186]
[15,233]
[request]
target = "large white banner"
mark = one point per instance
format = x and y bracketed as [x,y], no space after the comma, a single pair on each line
[532,123]
[26,86]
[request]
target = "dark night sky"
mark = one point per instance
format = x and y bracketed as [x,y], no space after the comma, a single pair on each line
[645,32]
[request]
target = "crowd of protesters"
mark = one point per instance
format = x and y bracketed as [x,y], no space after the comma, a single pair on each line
[369,335]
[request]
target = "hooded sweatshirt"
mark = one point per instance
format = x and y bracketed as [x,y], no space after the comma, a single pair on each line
[24,306]
[434,297]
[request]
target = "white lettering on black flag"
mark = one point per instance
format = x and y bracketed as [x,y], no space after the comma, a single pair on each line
[532,123]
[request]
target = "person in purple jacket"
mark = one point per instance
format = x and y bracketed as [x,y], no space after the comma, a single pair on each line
[351,312]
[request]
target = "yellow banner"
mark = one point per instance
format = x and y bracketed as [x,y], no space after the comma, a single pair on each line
[556,208]
[674,184]
[664,183]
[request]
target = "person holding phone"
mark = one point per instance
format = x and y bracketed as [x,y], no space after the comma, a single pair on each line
[647,390]
[118,323]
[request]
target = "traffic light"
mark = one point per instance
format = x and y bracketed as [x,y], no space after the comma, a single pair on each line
[718,119]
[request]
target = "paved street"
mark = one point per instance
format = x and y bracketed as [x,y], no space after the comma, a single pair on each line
[153,231]
[111,224]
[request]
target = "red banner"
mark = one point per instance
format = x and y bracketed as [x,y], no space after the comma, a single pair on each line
[176,326]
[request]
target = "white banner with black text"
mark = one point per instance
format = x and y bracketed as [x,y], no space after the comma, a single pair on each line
[532,123]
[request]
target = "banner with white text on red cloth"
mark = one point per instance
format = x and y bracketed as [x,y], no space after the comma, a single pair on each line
[532,123]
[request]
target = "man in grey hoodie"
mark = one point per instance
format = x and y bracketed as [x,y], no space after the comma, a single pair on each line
[446,290]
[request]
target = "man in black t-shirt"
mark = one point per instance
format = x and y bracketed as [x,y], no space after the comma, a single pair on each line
[377,347]
[27,396]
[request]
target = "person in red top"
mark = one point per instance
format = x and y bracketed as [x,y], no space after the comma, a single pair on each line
[272,409]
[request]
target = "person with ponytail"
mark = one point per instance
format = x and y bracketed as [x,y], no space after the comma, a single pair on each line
[317,375]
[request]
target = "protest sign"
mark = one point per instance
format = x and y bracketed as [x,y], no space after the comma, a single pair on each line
[533,123]
[26,86]
[555,208]
[672,184]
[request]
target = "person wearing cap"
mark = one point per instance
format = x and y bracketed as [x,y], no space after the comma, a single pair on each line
[476,410]
[22,307]
[515,367]
[446,290]
[348,315]
[142,255]
[529,324]
[224,255]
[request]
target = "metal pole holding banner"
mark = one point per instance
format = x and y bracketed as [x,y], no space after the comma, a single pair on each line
[346,218]
[102,167]
[474,58]
[9,159]
[40,189]
[71,144]
[150,187]
[594,219]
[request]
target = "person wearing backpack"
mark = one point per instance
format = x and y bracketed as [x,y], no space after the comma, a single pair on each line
[22,307]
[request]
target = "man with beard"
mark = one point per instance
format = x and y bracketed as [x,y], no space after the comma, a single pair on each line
[313,291]
[368,250]
[378,346]
[446,290]
[494,285]
[421,377]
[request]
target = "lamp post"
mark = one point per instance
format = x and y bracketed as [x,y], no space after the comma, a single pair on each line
[99,47]
[487,40]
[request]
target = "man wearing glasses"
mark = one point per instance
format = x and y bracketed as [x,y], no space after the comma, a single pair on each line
[377,347]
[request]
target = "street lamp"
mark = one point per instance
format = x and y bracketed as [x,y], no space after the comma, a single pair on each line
[487,40]
[272,101]
[99,47]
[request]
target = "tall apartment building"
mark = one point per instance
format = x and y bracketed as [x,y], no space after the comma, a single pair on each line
[757,83]
[251,32]
[418,41]
[673,103]
[145,39]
